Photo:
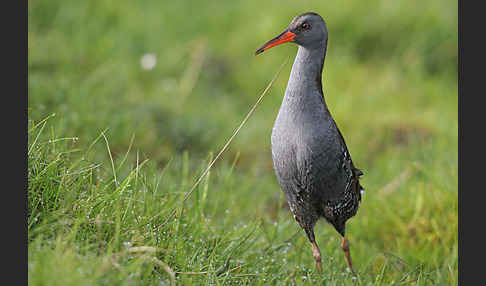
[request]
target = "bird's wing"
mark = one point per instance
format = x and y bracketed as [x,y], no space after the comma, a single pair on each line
[353,173]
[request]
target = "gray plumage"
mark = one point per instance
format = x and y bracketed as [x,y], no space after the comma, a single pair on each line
[311,161]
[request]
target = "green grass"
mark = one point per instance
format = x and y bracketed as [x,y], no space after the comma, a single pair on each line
[126,144]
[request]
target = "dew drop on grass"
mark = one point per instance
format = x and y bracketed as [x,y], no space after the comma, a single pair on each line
[148,61]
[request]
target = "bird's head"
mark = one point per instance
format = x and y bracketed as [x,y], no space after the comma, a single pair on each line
[307,30]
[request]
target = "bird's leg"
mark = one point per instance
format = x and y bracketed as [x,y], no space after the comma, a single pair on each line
[317,255]
[345,248]
[315,249]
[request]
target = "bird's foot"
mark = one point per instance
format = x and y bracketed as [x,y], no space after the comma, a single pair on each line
[319,267]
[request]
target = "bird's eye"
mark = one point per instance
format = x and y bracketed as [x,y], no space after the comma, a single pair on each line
[306,26]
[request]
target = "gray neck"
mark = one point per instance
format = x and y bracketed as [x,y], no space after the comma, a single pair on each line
[306,75]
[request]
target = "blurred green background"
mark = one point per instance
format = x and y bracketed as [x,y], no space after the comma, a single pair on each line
[390,81]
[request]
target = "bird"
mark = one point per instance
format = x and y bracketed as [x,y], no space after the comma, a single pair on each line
[311,161]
